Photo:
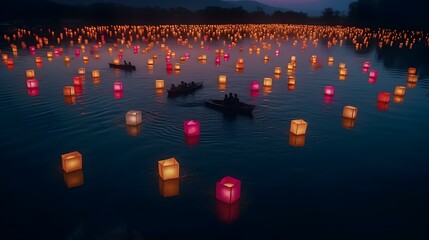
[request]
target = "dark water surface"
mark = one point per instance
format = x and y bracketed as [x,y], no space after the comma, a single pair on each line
[366,182]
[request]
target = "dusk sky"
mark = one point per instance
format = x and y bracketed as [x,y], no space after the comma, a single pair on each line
[312,7]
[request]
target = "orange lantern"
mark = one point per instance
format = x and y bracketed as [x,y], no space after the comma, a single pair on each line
[73,179]
[49,54]
[350,112]
[168,168]
[95,73]
[291,80]
[116,61]
[38,60]
[343,71]
[399,91]
[412,71]
[222,79]
[398,99]
[384,97]
[298,127]
[277,70]
[71,161]
[68,91]
[150,61]
[30,73]
[133,117]
[66,59]
[159,84]
[268,82]
[81,71]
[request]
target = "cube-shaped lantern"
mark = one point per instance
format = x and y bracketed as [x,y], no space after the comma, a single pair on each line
[291,80]
[68,91]
[71,161]
[384,97]
[366,65]
[399,91]
[228,189]
[222,79]
[412,71]
[268,82]
[32,83]
[350,112]
[81,71]
[329,90]
[290,67]
[277,70]
[38,59]
[254,86]
[49,54]
[343,71]
[66,59]
[169,67]
[150,61]
[95,73]
[77,81]
[30,73]
[298,127]
[168,188]
[73,179]
[341,65]
[117,87]
[373,74]
[191,128]
[292,58]
[133,117]
[159,84]
[9,61]
[85,58]
[330,59]
[168,168]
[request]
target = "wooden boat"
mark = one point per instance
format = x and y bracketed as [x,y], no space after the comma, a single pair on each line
[125,67]
[235,108]
[180,90]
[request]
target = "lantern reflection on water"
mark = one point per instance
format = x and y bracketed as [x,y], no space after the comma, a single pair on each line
[228,189]
[69,100]
[227,212]
[412,71]
[348,123]
[373,74]
[71,161]
[398,99]
[168,188]
[33,91]
[382,106]
[77,81]
[133,117]
[291,80]
[168,168]
[296,140]
[73,179]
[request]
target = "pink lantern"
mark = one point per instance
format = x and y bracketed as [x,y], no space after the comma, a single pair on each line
[187,56]
[228,189]
[217,60]
[77,52]
[384,97]
[277,52]
[167,58]
[32,83]
[117,86]
[102,38]
[366,65]
[56,51]
[32,48]
[373,74]
[329,90]
[77,81]
[364,70]
[192,128]
[254,86]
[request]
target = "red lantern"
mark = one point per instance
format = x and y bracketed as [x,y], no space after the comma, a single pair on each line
[77,81]
[228,189]
[384,97]
[169,67]
[192,128]
[77,52]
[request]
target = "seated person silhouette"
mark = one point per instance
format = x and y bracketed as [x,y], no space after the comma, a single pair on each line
[173,87]
[230,99]
[125,62]
[236,99]
[225,99]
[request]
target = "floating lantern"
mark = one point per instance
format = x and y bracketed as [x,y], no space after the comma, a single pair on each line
[329,90]
[296,140]
[71,161]
[341,65]
[366,65]
[168,188]
[228,189]
[38,60]
[266,58]
[77,81]
[73,179]
[150,61]
[191,128]
[277,70]
[85,58]
[117,87]
[277,52]
[399,91]
[49,54]
[222,79]
[68,91]
[313,59]
[343,71]
[116,61]
[292,58]
[95,73]
[331,60]
[30,73]
[350,112]
[412,71]
[32,83]
[168,169]
[177,67]
[77,52]
[268,82]
[169,67]
[384,97]
[81,71]
[133,117]
[4,57]
[159,84]
[66,59]
[290,67]
[348,123]
[291,80]
[373,74]
[298,127]
[254,86]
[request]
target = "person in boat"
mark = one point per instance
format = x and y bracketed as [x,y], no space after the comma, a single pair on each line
[125,62]
[236,99]
[230,99]
[173,87]
[192,83]
[129,63]
[225,99]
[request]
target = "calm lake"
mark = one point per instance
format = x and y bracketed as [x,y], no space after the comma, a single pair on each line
[365,178]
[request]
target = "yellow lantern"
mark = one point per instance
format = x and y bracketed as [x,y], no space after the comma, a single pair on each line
[49,54]
[290,66]
[298,127]
[30,73]
[66,59]
[266,58]
[277,70]
[293,58]
[291,80]
[71,161]
[177,67]
[159,84]
[168,168]
[343,71]
[95,73]
[341,65]
[399,91]
[268,82]
[330,59]
[68,91]
[133,117]
[116,61]
[81,71]
[350,112]
[222,79]
[168,188]
[85,58]
[73,179]
[150,61]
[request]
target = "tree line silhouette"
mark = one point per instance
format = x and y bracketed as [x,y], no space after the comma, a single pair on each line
[362,13]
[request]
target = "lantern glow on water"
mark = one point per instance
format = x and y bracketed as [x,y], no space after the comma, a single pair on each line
[168,168]
[191,128]
[296,140]
[73,179]
[228,190]
[71,161]
[168,188]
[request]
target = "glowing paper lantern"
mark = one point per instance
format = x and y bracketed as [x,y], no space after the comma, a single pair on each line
[373,74]
[32,83]
[159,84]
[168,188]
[71,161]
[277,70]
[168,168]
[330,59]
[73,179]
[384,97]
[30,73]
[133,117]
[350,112]
[268,82]
[313,59]
[77,52]
[292,58]
[399,91]
[412,71]
[9,61]
[296,140]
[228,189]
[366,65]
[49,54]
[343,71]
[222,79]
[298,127]
[291,80]
[329,90]
[77,81]
[116,61]
[254,86]
[81,71]
[95,73]
[341,65]
[66,59]
[117,87]
[150,61]
[169,67]
[68,91]
[177,67]
[191,128]
[38,60]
